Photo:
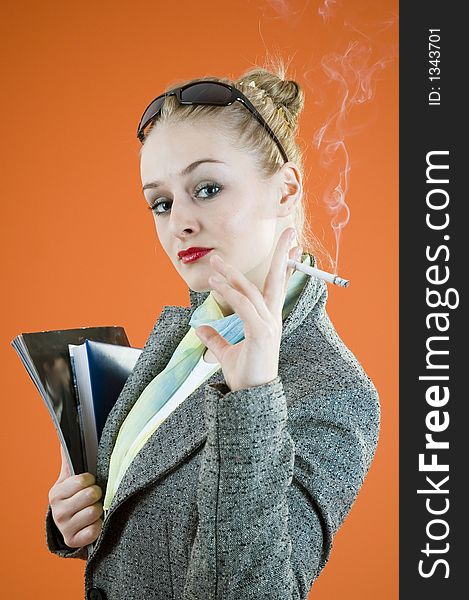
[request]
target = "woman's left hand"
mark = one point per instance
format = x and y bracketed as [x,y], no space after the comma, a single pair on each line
[254,360]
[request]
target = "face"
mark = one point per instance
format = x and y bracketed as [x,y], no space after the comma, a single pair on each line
[221,203]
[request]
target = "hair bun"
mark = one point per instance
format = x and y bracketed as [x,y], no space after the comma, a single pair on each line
[285,94]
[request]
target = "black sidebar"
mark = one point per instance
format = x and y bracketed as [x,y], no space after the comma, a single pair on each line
[434,333]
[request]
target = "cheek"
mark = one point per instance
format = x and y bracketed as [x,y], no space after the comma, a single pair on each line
[230,226]
[244,235]
[239,216]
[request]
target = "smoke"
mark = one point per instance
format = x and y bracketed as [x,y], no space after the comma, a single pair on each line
[326,9]
[351,74]
[284,10]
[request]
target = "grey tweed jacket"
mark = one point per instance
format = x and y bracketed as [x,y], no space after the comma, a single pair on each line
[237,495]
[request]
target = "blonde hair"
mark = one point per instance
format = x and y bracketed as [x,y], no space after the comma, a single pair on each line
[280,101]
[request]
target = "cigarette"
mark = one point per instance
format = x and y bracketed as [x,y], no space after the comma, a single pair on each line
[329,277]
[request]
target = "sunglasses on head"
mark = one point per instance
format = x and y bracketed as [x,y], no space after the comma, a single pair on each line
[214,93]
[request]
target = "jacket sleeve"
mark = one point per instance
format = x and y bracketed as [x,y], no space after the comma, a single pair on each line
[275,486]
[55,541]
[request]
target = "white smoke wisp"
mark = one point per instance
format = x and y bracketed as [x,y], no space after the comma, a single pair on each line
[353,77]
[326,9]
[284,10]
[352,74]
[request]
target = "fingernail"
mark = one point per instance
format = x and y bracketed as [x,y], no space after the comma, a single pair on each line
[292,236]
[298,253]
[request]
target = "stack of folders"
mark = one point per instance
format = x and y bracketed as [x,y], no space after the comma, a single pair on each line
[79,374]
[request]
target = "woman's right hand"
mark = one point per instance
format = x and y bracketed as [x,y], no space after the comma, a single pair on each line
[75,506]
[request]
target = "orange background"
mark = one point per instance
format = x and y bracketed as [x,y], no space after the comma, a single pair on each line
[79,246]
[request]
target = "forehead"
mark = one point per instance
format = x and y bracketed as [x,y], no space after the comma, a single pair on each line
[171,147]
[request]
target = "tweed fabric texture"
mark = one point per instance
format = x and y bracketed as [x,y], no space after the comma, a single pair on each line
[238,495]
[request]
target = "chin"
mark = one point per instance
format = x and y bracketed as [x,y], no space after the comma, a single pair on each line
[198,286]
[198,282]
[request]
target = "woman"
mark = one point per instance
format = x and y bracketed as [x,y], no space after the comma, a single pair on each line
[244,433]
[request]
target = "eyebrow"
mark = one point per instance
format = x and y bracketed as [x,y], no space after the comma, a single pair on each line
[186,171]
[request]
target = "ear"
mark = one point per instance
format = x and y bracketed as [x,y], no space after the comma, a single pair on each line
[290,189]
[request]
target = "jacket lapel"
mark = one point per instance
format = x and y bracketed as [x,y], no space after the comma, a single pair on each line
[183,431]
[184,428]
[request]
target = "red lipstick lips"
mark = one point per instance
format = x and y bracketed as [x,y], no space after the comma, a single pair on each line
[193,253]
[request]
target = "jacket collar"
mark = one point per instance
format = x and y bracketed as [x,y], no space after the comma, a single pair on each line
[184,429]
[197,298]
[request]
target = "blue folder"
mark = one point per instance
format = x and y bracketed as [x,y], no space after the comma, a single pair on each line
[110,365]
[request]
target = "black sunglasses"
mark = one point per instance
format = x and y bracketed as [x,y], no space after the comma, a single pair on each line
[213,93]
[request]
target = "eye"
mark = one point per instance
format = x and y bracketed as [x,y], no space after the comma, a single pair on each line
[206,185]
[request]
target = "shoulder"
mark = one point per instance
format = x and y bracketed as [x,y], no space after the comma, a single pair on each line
[325,382]
[314,354]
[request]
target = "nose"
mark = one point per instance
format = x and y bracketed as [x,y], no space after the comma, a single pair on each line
[183,218]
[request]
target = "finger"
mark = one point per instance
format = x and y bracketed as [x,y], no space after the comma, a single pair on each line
[295,254]
[238,280]
[77,520]
[87,515]
[215,342]
[86,535]
[74,484]
[86,497]
[274,285]
[241,304]
[65,468]
[81,510]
